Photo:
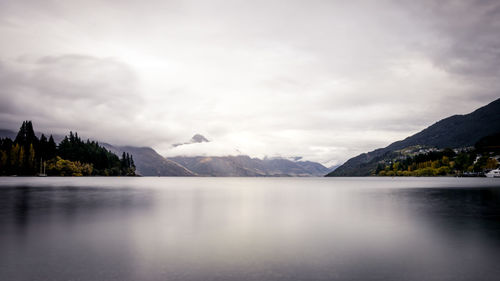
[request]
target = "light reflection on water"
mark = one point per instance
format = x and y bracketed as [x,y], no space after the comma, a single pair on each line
[249,229]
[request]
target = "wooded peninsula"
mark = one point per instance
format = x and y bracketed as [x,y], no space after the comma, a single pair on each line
[28,155]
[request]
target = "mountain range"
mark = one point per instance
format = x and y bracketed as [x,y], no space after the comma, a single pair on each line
[149,163]
[456,131]
[242,165]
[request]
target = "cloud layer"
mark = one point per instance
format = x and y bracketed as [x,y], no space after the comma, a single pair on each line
[325,80]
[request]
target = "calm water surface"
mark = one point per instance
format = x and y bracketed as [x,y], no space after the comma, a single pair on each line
[249,229]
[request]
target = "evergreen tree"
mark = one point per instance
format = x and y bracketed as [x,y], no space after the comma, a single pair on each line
[21,135]
[20,158]
[132,164]
[31,165]
[26,135]
[51,148]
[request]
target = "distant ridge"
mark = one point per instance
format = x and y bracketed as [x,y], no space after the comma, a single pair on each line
[149,163]
[7,134]
[242,165]
[452,132]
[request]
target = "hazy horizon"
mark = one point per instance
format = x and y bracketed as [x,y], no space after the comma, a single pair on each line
[325,80]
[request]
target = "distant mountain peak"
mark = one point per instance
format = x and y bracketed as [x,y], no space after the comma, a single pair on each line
[198,139]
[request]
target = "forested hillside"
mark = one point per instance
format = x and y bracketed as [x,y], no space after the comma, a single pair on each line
[28,155]
[457,131]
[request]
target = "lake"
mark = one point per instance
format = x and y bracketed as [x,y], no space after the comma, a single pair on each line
[249,229]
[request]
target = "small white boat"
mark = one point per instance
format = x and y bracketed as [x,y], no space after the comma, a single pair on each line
[493,173]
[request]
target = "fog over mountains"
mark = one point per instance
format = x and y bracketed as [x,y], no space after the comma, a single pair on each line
[195,139]
[456,131]
[242,165]
[149,163]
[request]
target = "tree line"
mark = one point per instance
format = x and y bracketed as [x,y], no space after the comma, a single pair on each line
[27,155]
[467,161]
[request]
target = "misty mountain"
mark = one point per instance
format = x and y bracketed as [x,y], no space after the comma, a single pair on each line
[333,167]
[452,132]
[149,163]
[6,133]
[237,166]
[195,139]
[198,138]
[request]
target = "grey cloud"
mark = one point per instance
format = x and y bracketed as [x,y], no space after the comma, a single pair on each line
[321,79]
[466,32]
[78,77]
[68,91]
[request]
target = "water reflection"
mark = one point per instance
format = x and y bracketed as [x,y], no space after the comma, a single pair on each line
[249,229]
[24,206]
[21,209]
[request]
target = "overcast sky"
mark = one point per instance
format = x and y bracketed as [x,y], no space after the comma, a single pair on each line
[325,80]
